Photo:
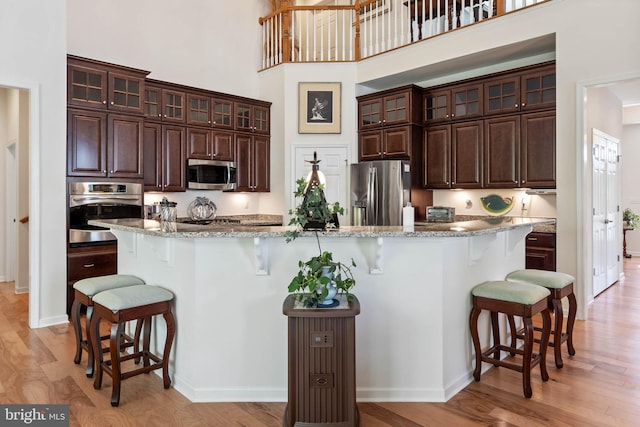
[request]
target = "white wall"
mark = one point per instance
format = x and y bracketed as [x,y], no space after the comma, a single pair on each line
[630,177]
[33,56]
[4,140]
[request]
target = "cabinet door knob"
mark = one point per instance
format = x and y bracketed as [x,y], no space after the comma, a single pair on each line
[104,171]
[516,105]
[112,103]
[523,104]
[110,171]
[104,102]
[159,115]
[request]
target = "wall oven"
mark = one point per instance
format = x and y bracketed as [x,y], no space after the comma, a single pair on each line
[100,200]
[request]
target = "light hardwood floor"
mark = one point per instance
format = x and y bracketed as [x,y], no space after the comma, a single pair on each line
[599,386]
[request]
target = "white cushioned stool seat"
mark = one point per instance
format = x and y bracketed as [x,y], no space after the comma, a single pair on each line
[132,296]
[548,279]
[518,292]
[93,285]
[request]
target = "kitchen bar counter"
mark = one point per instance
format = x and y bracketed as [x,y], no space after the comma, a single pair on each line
[454,229]
[412,335]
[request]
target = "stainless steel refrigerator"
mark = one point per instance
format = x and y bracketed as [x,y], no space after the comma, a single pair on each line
[379,191]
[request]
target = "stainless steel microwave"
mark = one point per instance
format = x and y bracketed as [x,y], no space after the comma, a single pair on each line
[211,175]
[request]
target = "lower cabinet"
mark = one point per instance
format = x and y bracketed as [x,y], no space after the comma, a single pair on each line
[89,261]
[252,163]
[541,251]
[164,157]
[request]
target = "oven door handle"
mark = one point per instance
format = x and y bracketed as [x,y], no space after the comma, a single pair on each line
[85,200]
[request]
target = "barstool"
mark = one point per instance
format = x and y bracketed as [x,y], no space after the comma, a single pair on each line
[83,292]
[121,305]
[513,299]
[560,285]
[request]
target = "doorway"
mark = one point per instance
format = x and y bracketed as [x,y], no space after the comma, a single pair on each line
[606,227]
[334,161]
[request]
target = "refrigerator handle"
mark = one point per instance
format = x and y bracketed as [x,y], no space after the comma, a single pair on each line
[372,201]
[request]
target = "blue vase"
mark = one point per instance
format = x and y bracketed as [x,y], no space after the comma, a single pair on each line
[331,287]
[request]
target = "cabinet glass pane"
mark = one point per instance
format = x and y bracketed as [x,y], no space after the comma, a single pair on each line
[549,81]
[79,77]
[549,95]
[95,80]
[79,92]
[371,114]
[222,113]
[533,84]
[243,118]
[119,98]
[134,87]
[396,109]
[133,100]
[119,85]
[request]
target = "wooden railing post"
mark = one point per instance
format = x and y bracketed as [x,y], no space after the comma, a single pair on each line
[286,32]
[499,5]
[356,41]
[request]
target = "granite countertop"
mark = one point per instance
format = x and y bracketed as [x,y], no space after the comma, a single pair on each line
[487,225]
[541,228]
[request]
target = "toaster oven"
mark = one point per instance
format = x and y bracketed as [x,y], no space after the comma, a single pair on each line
[441,214]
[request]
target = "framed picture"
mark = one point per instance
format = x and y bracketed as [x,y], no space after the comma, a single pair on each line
[319,107]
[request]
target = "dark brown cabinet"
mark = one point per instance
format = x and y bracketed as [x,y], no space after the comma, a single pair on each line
[104,145]
[453,155]
[455,103]
[541,251]
[163,102]
[386,123]
[520,151]
[526,91]
[89,261]
[538,150]
[210,144]
[164,158]
[96,85]
[204,110]
[252,117]
[388,109]
[388,143]
[198,110]
[252,163]
[502,152]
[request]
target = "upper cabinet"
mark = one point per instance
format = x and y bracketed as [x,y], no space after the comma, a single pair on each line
[204,110]
[387,123]
[458,102]
[97,85]
[252,116]
[389,108]
[524,91]
[164,102]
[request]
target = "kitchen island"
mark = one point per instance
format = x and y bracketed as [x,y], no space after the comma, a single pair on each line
[412,336]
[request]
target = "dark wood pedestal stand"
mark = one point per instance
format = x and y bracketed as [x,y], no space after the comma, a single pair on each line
[322,365]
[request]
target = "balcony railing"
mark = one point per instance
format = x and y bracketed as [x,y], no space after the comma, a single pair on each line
[353,32]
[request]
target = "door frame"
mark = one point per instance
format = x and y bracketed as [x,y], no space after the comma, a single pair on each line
[34,195]
[584,203]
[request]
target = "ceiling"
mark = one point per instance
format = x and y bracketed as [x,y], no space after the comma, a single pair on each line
[627,91]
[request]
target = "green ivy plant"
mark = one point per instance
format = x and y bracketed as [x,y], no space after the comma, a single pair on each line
[314,213]
[632,218]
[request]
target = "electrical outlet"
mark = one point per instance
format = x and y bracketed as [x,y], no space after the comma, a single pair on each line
[322,339]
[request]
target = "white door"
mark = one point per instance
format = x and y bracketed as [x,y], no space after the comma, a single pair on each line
[10,203]
[606,230]
[334,161]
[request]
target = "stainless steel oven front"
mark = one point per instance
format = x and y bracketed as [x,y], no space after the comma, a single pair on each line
[100,200]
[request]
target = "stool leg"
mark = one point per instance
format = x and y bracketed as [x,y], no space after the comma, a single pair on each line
[136,340]
[97,356]
[473,326]
[171,330]
[544,342]
[557,333]
[514,334]
[90,347]
[495,330]
[75,321]
[115,362]
[146,341]
[573,307]
[526,357]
